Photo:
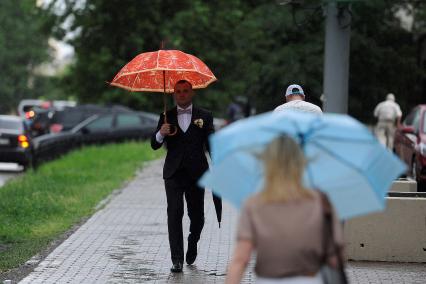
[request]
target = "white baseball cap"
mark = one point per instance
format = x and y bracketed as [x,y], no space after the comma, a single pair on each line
[294,89]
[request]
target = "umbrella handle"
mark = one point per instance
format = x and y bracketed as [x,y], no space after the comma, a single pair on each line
[173,127]
[165,105]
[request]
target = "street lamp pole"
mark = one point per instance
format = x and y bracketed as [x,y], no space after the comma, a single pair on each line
[336,61]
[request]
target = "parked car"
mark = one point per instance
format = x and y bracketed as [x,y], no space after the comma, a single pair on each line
[112,127]
[15,141]
[68,118]
[115,127]
[410,144]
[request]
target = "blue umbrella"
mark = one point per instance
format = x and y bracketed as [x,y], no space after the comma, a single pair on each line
[344,159]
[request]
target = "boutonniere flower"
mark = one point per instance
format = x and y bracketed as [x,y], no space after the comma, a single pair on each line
[199,122]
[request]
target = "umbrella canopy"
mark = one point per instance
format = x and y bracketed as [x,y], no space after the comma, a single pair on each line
[160,70]
[344,159]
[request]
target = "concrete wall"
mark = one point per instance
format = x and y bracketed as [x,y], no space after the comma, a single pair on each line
[404,186]
[397,234]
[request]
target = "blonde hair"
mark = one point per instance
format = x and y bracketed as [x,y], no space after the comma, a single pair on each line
[284,164]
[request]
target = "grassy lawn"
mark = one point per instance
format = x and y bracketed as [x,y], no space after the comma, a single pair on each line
[40,205]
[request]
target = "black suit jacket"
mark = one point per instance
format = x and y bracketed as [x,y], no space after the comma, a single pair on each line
[186,150]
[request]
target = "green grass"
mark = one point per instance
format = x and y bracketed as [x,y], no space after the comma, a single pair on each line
[40,205]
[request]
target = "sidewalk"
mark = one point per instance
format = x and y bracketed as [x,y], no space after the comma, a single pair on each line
[126,242]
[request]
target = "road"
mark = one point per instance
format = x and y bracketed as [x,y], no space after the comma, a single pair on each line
[8,171]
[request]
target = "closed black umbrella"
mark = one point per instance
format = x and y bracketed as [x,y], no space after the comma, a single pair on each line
[218,207]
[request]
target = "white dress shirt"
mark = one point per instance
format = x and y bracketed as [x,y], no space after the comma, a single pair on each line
[184,121]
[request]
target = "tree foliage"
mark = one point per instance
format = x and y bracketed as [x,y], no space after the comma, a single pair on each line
[24,32]
[255,48]
[109,34]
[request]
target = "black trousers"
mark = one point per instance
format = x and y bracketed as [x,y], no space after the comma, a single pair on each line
[178,186]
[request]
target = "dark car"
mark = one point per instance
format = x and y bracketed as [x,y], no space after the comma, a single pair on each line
[15,141]
[112,127]
[410,144]
[115,127]
[69,117]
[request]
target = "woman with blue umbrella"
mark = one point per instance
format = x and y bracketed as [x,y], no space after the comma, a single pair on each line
[284,224]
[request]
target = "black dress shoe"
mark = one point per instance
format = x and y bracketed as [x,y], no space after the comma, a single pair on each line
[176,267]
[191,253]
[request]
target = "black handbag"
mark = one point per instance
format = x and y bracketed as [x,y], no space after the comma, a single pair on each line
[331,275]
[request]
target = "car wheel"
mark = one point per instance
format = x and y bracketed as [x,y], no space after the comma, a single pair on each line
[29,162]
[26,166]
[34,163]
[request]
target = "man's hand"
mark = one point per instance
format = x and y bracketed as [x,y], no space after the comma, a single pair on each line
[165,129]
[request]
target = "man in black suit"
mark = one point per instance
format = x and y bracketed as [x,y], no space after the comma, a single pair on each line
[185,164]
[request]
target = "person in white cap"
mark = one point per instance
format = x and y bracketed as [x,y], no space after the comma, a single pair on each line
[388,115]
[295,100]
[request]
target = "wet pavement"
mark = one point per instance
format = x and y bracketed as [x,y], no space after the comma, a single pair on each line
[126,242]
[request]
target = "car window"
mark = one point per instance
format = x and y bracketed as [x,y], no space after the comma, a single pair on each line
[102,123]
[128,120]
[69,117]
[148,121]
[27,108]
[11,124]
[409,120]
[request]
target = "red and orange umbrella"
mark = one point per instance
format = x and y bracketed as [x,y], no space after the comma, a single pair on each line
[159,71]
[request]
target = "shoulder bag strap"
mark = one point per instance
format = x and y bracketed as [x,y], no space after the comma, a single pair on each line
[328,237]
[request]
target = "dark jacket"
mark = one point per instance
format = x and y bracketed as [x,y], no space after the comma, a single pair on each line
[186,150]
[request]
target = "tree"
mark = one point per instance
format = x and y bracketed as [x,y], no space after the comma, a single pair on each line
[233,37]
[383,59]
[24,32]
[255,48]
